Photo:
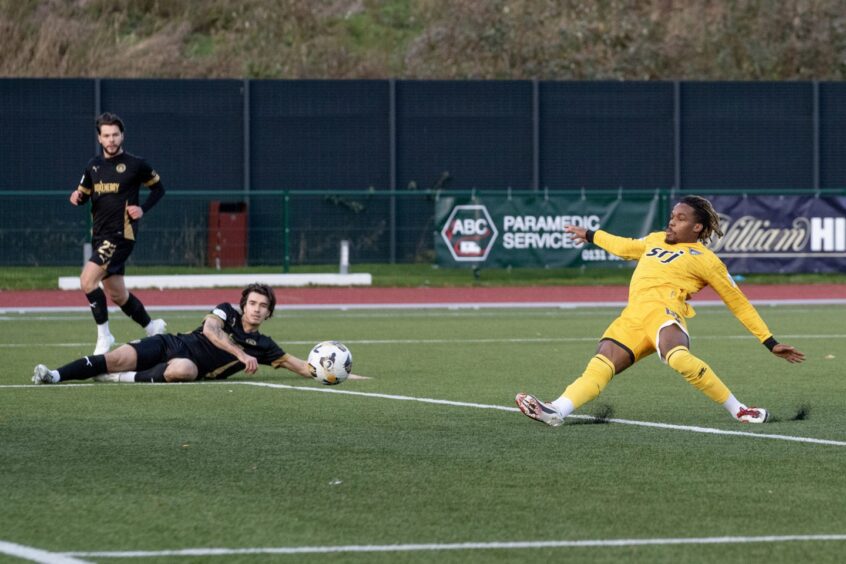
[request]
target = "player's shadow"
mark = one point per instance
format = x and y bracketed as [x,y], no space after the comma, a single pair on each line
[601,414]
[803,412]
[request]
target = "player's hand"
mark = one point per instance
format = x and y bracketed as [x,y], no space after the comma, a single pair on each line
[135,212]
[788,353]
[250,363]
[75,197]
[579,233]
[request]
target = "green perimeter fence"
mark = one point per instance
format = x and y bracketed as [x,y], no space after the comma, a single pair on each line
[278,228]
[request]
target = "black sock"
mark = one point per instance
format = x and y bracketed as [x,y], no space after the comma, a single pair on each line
[152,375]
[97,301]
[135,309]
[85,367]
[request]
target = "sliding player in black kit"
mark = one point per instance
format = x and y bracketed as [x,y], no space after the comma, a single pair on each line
[226,343]
[112,182]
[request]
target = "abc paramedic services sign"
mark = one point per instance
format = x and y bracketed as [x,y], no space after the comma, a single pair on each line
[527,230]
[762,233]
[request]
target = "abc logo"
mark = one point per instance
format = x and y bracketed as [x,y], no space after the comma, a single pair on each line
[469,233]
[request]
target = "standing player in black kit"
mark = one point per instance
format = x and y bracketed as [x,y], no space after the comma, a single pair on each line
[112,182]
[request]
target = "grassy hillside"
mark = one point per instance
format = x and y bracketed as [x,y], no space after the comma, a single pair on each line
[426,39]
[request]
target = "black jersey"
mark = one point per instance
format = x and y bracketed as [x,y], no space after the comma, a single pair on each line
[112,185]
[215,363]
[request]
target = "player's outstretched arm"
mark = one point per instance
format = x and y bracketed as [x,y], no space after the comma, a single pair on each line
[788,353]
[623,247]
[297,366]
[579,233]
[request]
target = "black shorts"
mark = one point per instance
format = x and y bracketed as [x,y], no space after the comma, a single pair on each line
[158,349]
[111,253]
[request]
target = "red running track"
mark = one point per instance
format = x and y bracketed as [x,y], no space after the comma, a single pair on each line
[413,296]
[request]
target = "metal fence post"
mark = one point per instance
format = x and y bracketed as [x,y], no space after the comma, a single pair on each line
[816,141]
[392,172]
[535,135]
[677,154]
[286,233]
[246,155]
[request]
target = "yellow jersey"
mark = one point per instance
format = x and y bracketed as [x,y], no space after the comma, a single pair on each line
[671,274]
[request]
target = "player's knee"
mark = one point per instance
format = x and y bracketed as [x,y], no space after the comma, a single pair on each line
[682,361]
[619,357]
[122,358]
[118,297]
[180,370]
[87,285]
[670,337]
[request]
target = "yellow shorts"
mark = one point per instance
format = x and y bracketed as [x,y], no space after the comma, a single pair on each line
[638,327]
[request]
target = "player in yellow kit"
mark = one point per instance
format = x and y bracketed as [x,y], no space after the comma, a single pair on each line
[672,266]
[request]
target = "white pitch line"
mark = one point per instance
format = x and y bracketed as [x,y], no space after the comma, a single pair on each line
[50,387]
[37,555]
[426,547]
[471,341]
[436,305]
[690,428]
[375,313]
[25,345]
[652,424]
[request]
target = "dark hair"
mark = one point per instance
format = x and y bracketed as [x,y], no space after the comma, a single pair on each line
[262,289]
[705,214]
[107,118]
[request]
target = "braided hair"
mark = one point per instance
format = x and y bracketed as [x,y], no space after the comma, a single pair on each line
[705,214]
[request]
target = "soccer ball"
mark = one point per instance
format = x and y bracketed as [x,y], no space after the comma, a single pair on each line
[330,362]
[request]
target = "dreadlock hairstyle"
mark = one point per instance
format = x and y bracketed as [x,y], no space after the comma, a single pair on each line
[706,215]
[262,289]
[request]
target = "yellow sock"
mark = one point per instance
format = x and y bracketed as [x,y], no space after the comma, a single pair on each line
[698,374]
[593,380]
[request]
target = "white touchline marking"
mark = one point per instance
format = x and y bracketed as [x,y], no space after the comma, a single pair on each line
[37,555]
[691,428]
[62,386]
[459,546]
[435,305]
[652,424]
[591,339]
[24,345]
[375,313]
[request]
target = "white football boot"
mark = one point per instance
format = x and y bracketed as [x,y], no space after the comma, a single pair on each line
[538,410]
[156,327]
[104,343]
[42,375]
[752,415]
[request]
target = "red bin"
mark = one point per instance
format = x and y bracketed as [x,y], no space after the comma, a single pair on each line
[227,234]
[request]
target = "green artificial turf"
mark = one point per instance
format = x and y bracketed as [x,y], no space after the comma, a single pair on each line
[122,467]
